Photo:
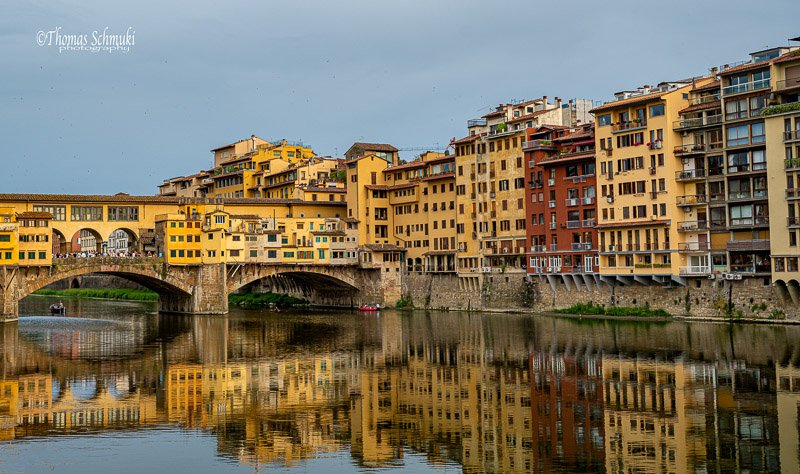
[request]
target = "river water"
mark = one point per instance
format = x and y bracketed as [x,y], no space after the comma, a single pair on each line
[116,387]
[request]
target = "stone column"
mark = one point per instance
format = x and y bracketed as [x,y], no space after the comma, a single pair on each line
[210,294]
[9,304]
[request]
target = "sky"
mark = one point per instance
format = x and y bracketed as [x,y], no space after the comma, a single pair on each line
[411,73]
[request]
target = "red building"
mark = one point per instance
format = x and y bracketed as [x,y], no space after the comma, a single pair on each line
[567,412]
[561,204]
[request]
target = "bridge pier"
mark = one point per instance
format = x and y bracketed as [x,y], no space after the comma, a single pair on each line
[209,293]
[9,301]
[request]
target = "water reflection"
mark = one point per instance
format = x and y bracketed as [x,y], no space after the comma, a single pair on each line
[488,393]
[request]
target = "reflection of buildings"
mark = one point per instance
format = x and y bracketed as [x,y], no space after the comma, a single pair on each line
[567,408]
[788,422]
[677,416]
[477,393]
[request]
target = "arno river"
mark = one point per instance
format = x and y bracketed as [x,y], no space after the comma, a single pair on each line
[115,385]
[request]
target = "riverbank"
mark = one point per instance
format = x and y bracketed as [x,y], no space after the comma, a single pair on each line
[104,293]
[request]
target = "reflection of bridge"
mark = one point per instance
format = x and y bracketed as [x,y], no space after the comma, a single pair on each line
[198,289]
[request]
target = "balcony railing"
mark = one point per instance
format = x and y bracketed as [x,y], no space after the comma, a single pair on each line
[689,149]
[695,270]
[746,87]
[693,246]
[535,184]
[537,248]
[793,221]
[692,200]
[791,135]
[588,222]
[749,221]
[553,225]
[747,168]
[787,84]
[538,145]
[551,181]
[571,202]
[581,246]
[705,99]
[697,122]
[587,201]
[481,122]
[691,226]
[551,204]
[632,125]
[573,224]
[690,175]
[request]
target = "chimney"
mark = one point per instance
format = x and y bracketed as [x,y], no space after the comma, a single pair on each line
[714,70]
[558,102]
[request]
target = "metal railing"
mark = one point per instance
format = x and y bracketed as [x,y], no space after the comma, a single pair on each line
[690,226]
[695,270]
[697,122]
[787,84]
[686,175]
[746,87]
[632,125]
[692,199]
[538,145]
[693,247]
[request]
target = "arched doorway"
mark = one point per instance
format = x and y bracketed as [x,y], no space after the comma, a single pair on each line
[122,242]
[60,243]
[86,241]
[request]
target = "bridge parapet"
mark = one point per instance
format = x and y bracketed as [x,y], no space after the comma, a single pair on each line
[94,261]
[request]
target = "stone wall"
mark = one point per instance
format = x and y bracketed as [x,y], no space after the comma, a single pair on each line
[96,281]
[748,298]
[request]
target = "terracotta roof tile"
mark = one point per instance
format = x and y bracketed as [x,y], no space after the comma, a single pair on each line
[384,247]
[658,222]
[708,105]
[34,215]
[373,146]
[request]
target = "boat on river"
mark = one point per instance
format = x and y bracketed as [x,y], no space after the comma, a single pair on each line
[58,308]
[369,307]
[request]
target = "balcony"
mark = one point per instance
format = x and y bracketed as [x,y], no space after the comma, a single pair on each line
[481,122]
[581,246]
[532,145]
[553,225]
[750,268]
[718,224]
[688,247]
[689,149]
[747,168]
[746,87]
[690,175]
[761,221]
[551,204]
[573,224]
[578,179]
[587,201]
[692,226]
[537,248]
[787,84]
[531,163]
[705,99]
[793,222]
[692,200]
[588,223]
[791,135]
[695,270]
[697,122]
[535,184]
[628,126]
[793,193]
[570,202]
[551,182]
[206,181]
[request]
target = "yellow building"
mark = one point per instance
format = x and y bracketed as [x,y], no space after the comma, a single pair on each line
[640,199]
[9,237]
[490,186]
[34,238]
[782,129]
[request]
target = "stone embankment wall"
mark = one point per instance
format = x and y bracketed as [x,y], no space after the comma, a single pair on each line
[748,298]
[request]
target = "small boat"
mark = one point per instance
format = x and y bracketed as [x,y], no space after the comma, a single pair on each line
[369,307]
[58,308]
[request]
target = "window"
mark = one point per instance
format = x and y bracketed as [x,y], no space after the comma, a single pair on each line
[656,110]
[59,212]
[86,213]
[738,135]
[604,120]
[123,213]
[5,238]
[218,219]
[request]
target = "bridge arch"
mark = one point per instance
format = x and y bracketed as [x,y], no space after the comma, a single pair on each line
[172,286]
[122,240]
[317,283]
[86,239]
[59,242]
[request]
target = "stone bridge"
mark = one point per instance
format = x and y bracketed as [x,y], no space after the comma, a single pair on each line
[204,289]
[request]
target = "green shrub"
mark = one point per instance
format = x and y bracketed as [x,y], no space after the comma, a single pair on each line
[592,309]
[106,293]
[264,300]
[779,109]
